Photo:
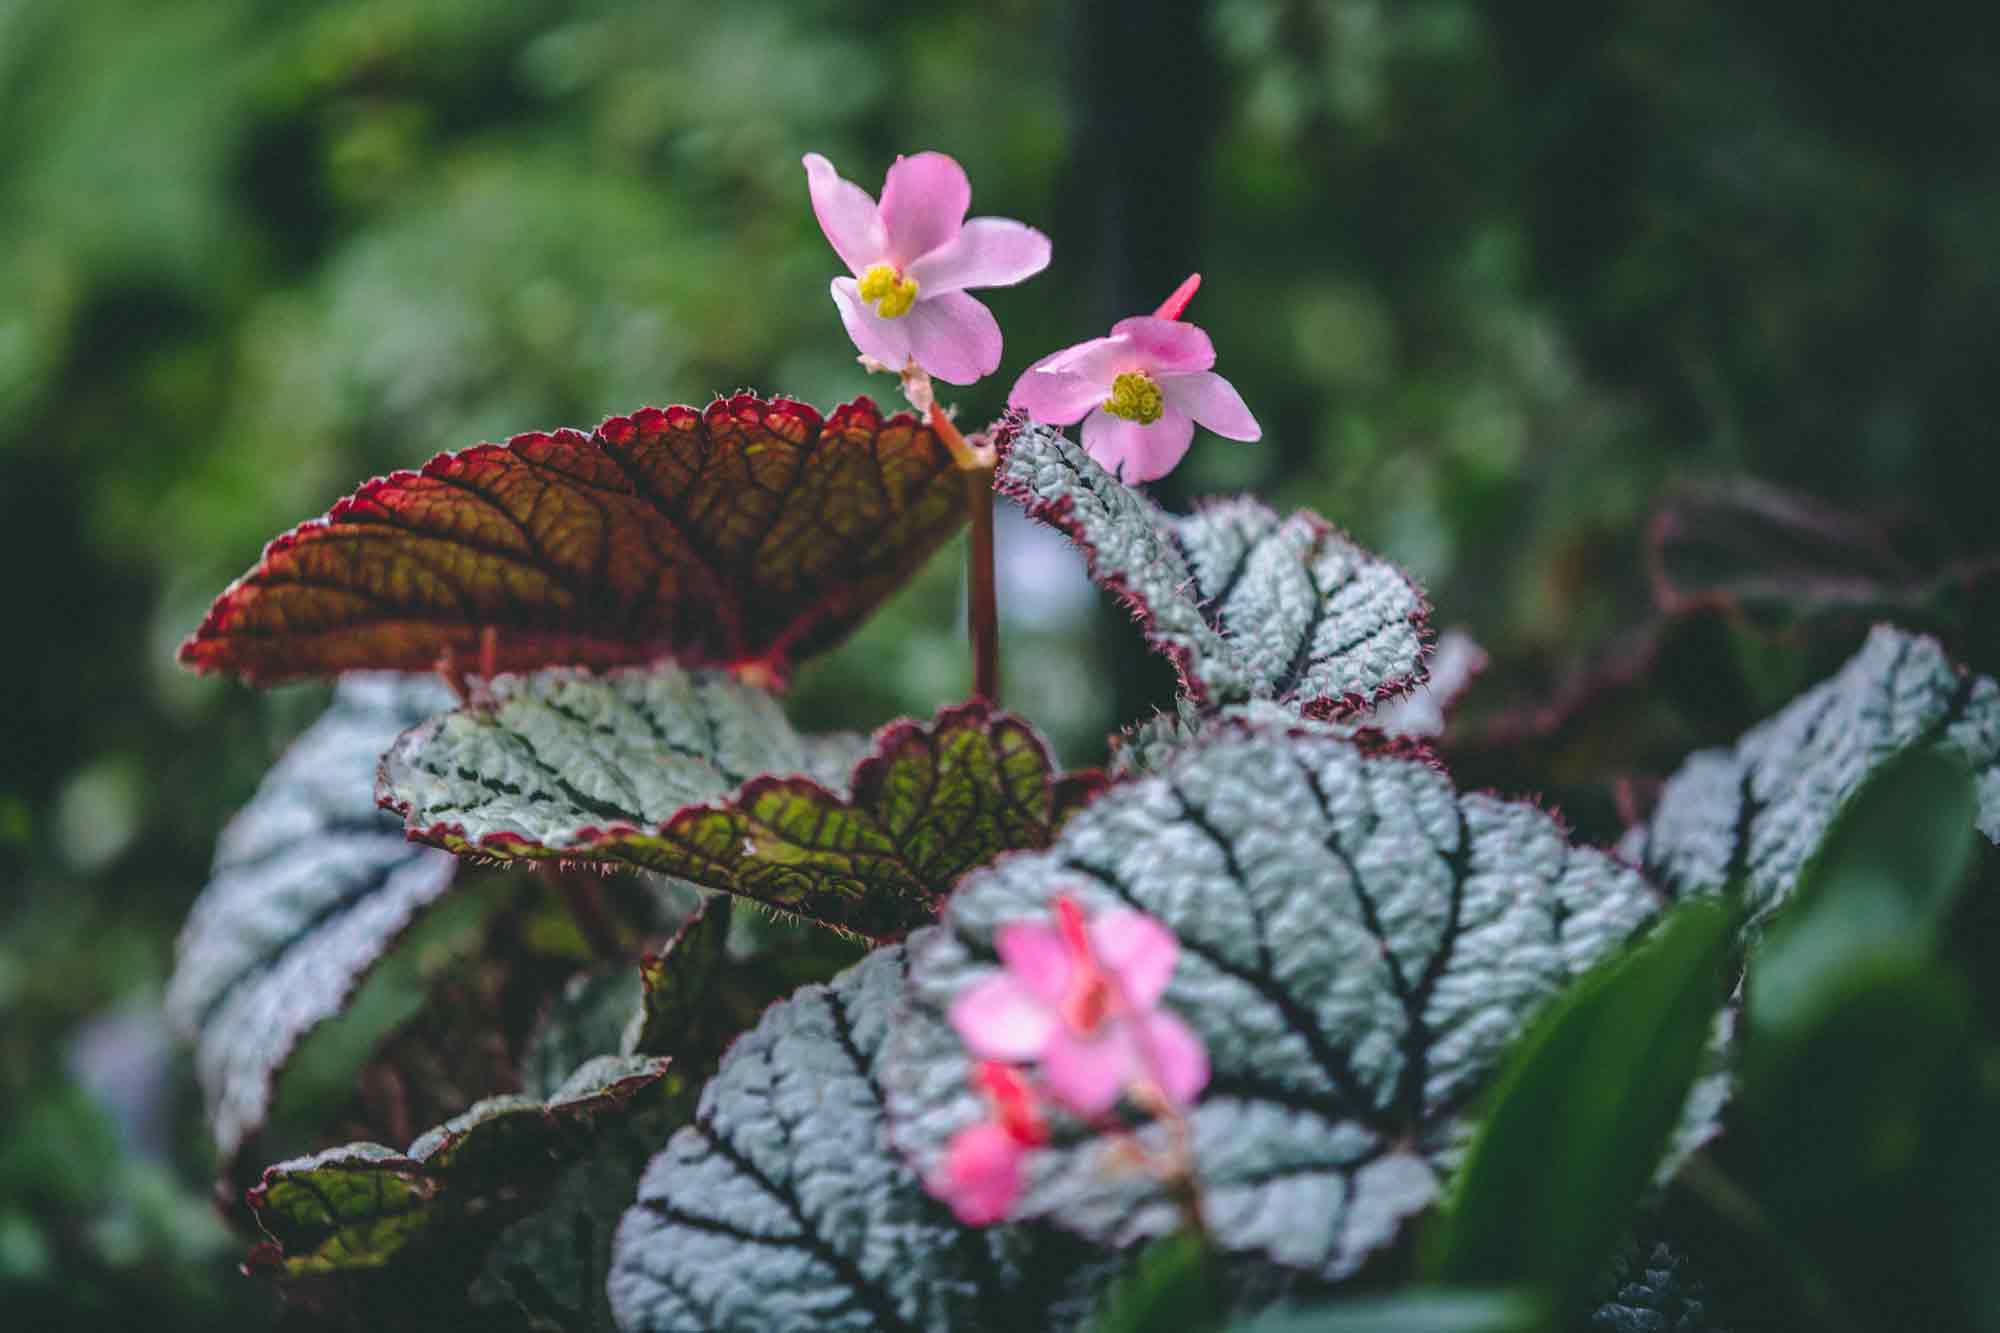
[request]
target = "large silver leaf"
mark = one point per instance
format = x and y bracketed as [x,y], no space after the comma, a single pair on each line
[1360,944]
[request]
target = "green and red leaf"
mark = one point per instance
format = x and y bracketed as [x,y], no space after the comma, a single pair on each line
[748,534]
[649,768]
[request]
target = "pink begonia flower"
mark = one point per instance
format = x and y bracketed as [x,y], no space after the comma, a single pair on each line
[913,256]
[981,1177]
[1082,1000]
[1139,392]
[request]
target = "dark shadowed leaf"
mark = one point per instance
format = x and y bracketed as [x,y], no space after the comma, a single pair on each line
[312,885]
[360,1206]
[1579,1120]
[1880,884]
[1419,1311]
[1758,813]
[784,1207]
[642,768]
[1360,944]
[680,1012]
[1248,605]
[1170,1289]
[748,534]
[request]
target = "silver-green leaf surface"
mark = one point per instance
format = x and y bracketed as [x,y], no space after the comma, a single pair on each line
[1246,603]
[311,886]
[1359,945]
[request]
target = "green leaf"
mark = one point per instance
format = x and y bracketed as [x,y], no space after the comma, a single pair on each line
[1578,1121]
[783,1205]
[679,1012]
[1881,883]
[1758,813]
[642,768]
[750,533]
[1171,1287]
[1652,1290]
[311,886]
[1420,1311]
[1247,605]
[360,1206]
[1360,944]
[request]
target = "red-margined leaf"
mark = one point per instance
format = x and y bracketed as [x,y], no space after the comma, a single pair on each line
[360,1206]
[643,768]
[750,533]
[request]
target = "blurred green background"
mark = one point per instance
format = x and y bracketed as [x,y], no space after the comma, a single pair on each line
[1496,279]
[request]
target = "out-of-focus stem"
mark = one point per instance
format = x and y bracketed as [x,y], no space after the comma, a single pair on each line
[976,463]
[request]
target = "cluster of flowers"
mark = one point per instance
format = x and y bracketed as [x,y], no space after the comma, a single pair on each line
[913,257]
[1079,1001]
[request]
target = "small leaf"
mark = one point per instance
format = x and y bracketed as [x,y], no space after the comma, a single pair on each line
[311,886]
[1578,1121]
[1246,604]
[679,1014]
[360,1206]
[1360,945]
[1171,1289]
[616,770]
[748,534]
[1757,814]
[784,1207]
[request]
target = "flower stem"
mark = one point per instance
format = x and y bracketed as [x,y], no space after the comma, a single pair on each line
[976,464]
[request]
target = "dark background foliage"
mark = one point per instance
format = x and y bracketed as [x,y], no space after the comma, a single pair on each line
[1498,279]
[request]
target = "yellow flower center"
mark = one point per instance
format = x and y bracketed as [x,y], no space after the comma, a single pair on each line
[1135,397]
[890,292]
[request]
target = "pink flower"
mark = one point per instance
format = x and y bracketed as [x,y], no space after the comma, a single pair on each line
[913,256]
[981,1177]
[1081,999]
[1138,392]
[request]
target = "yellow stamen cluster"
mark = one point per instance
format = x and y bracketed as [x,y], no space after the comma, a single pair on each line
[890,292]
[1135,397]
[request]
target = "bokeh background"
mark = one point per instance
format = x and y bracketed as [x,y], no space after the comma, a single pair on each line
[1501,281]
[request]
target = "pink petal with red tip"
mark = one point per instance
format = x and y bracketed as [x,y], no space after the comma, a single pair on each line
[1135,453]
[924,200]
[1177,1059]
[1166,346]
[1000,1019]
[1212,401]
[981,1178]
[1035,957]
[953,336]
[1086,1074]
[987,252]
[1139,951]
[847,214]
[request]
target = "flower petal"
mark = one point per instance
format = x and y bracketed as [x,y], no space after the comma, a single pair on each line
[924,200]
[987,252]
[1166,346]
[887,340]
[1086,1075]
[1035,957]
[954,337]
[1139,951]
[1177,1059]
[981,1177]
[847,214]
[1057,397]
[1212,401]
[1000,1019]
[1135,453]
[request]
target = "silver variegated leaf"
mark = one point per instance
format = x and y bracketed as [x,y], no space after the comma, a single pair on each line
[1247,604]
[1359,945]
